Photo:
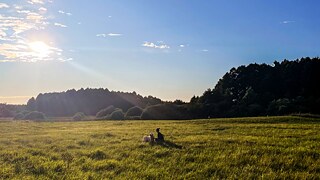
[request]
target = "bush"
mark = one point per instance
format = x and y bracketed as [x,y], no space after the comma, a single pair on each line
[21,115]
[105,112]
[165,111]
[18,116]
[35,115]
[134,111]
[116,115]
[79,116]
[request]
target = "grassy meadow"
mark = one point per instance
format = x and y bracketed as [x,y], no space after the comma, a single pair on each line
[239,148]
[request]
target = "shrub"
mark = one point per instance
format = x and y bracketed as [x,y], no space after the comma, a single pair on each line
[116,115]
[134,111]
[79,116]
[21,115]
[18,116]
[35,115]
[105,112]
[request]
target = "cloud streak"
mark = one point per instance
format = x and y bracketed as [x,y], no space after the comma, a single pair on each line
[4,5]
[160,45]
[287,22]
[66,13]
[60,25]
[35,2]
[110,34]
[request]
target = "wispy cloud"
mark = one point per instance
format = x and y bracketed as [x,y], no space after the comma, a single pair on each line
[110,34]
[60,25]
[287,22]
[66,13]
[16,23]
[4,5]
[35,2]
[205,50]
[114,34]
[43,9]
[160,45]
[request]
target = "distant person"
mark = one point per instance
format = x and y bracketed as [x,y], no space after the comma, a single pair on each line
[160,136]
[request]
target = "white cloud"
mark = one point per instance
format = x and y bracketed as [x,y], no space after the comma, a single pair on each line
[43,9]
[160,45]
[60,25]
[114,34]
[182,45]
[110,34]
[204,50]
[4,5]
[35,2]
[23,11]
[17,7]
[287,22]
[66,13]
[101,35]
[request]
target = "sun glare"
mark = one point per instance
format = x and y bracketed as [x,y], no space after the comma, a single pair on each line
[40,49]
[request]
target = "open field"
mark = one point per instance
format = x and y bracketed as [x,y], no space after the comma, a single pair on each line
[240,148]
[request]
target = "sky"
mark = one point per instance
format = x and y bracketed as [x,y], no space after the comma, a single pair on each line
[171,49]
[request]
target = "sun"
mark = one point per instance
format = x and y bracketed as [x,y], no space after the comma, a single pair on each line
[40,49]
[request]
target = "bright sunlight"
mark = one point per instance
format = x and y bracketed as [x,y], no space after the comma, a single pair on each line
[40,49]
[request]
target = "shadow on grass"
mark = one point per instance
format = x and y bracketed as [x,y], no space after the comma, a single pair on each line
[169,144]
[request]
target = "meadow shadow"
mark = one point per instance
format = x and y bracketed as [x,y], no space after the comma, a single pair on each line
[169,144]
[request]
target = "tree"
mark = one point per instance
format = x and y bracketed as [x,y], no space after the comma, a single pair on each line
[31,104]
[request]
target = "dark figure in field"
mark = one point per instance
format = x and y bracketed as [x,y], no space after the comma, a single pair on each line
[160,136]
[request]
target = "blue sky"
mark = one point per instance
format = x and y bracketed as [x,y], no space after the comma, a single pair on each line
[168,49]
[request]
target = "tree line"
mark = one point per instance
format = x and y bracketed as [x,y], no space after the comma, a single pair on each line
[254,90]
[260,89]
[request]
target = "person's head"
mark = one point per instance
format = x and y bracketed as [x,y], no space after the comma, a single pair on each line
[158,129]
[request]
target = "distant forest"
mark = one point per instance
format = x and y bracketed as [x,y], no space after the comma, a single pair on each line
[254,90]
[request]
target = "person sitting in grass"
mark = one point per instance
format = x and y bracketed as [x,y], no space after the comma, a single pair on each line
[160,136]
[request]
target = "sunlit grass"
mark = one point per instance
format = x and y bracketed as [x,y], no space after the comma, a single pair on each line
[264,147]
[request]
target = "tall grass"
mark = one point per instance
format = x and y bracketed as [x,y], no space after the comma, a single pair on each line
[237,148]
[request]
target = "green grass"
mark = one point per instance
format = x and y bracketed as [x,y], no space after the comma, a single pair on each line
[237,148]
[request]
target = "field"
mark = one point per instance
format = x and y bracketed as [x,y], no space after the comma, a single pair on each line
[240,148]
